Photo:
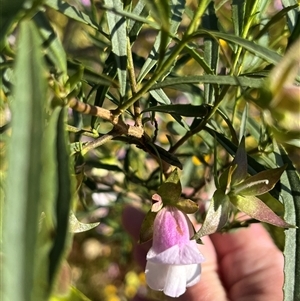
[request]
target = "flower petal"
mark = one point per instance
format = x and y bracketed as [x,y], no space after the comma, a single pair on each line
[193,273]
[176,281]
[156,275]
[179,255]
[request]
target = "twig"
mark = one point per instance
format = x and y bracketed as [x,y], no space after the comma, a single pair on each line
[93,110]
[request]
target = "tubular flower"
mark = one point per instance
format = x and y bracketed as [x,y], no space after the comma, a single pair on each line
[173,262]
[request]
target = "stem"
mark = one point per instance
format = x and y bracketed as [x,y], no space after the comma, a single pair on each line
[132,79]
[169,61]
[98,142]
[85,108]
[244,35]
[76,130]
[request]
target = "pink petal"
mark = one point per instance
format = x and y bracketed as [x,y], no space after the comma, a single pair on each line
[170,227]
[178,255]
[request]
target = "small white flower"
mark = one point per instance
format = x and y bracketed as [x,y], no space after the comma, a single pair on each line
[173,262]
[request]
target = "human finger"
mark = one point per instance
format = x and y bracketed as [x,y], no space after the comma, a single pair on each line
[251,266]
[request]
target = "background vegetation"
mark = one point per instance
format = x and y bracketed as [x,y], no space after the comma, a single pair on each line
[100,100]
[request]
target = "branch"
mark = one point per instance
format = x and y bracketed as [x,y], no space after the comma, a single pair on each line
[85,108]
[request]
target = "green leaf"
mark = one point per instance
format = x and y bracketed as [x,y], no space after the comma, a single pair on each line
[240,159]
[64,196]
[181,109]
[160,11]
[257,209]
[52,44]
[118,33]
[244,81]
[160,96]
[77,227]
[211,49]
[253,166]
[161,153]
[265,53]
[187,206]
[259,183]
[217,215]
[24,167]
[135,26]
[290,195]
[238,16]
[49,182]
[170,190]
[71,12]
[146,231]
[292,15]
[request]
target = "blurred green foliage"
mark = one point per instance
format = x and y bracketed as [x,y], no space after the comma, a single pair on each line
[100,100]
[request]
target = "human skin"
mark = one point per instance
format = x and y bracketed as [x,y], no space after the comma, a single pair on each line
[243,265]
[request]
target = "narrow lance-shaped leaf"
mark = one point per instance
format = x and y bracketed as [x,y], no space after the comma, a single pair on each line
[187,206]
[263,52]
[259,183]
[257,209]
[49,192]
[290,196]
[117,28]
[23,189]
[52,44]
[238,16]
[211,49]
[240,159]
[181,109]
[63,199]
[77,227]
[71,11]
[162,40]
[246,81]
[217,215]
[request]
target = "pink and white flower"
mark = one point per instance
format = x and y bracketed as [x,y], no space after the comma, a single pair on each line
[174,261]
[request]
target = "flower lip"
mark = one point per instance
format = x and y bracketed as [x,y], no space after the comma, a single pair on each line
[185,254]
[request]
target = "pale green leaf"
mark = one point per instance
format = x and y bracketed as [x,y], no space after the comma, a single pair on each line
[187,206]
[244,81]
[64,197]
[24,167]
[118,34]
[52,44]
[177,9]
[259,183]
[217,215]
[76,226]
[71,11]
[257,209]
[263,52]
[290,196]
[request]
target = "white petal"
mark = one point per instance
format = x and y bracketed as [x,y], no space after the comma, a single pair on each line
[193,272]
[156,275]
[176,281]
[180,255]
